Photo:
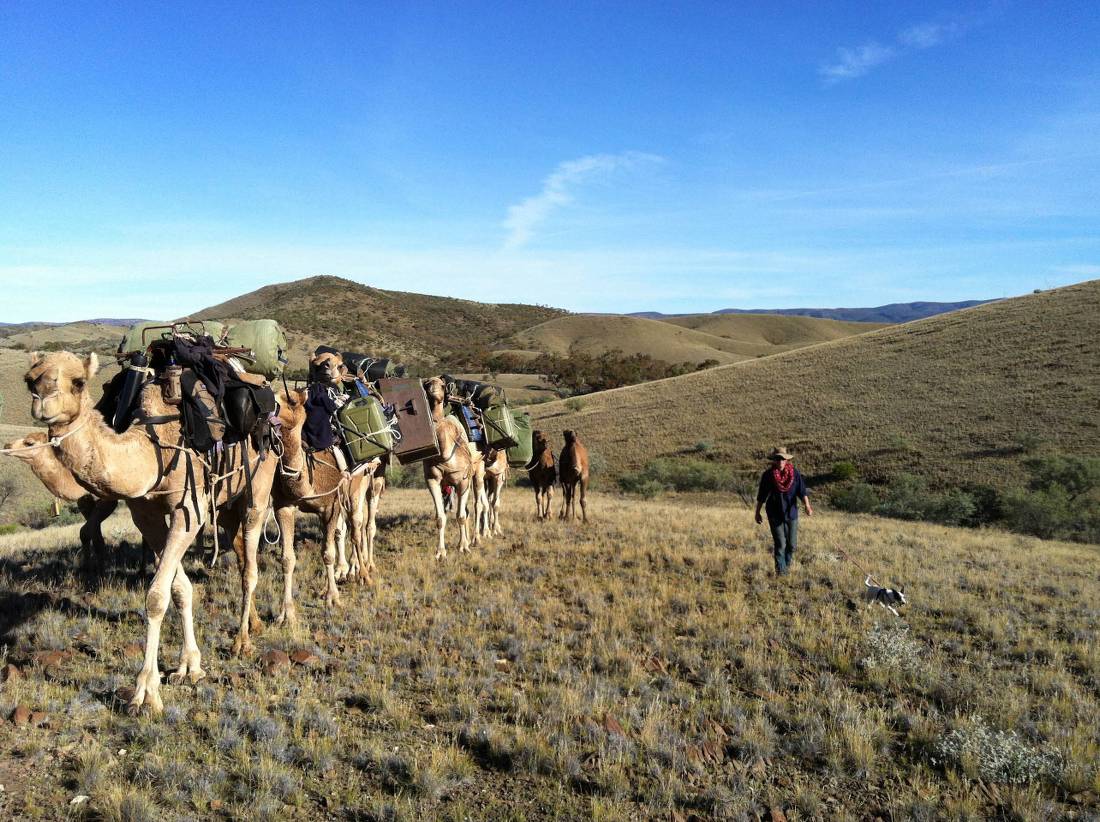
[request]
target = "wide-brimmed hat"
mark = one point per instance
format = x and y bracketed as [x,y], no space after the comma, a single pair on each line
[779,453]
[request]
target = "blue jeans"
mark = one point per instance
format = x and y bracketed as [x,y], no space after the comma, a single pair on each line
[784,536]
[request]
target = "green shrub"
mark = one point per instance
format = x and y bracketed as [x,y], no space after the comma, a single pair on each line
[400,476]
[906,498]
[574,404]
[844,471]
[703,447]
[10,528]
[642,485]
[858,498]
[677,475]
[1046,513]
[1077,476]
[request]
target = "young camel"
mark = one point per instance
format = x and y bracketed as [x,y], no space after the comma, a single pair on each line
[543,474]
[151,476]
[314,483]
[496,476]
[59,481]
[455,466]
[573,473]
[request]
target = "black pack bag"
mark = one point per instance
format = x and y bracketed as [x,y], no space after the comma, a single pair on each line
[247,411]
[120,395]
[202,427]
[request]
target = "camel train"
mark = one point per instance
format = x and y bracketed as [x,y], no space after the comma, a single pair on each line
[210,444]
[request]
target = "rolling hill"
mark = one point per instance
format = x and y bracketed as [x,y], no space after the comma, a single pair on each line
[414,328]
[693,339]
[949,397]
[891,313]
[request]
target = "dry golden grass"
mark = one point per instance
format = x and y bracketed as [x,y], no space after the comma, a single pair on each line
[951,397]
[645,666]
[771,331]
[687,339]
[106,336]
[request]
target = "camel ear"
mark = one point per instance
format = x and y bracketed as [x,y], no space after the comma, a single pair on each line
[91,365]
[35,357]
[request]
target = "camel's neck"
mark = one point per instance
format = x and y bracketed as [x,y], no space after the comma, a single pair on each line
[50,471]
[110,465]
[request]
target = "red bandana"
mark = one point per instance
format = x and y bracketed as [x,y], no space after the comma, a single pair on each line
[783,479]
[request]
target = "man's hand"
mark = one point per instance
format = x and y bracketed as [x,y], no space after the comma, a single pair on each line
[809,509]
[759,519]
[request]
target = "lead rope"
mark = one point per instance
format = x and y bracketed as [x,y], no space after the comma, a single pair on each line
[52,442]
[278,528]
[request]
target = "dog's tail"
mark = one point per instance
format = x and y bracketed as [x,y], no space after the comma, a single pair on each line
[867,581]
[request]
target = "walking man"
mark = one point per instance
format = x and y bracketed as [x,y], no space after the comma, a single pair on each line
[781,487]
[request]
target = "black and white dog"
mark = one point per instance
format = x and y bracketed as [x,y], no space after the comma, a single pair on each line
[886,597]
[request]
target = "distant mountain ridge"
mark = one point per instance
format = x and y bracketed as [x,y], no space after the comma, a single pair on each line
[890,313]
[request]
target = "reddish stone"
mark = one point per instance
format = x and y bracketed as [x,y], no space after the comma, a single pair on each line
[713,752]
[21,715]
[40,719]
[274,661]
[301,656]
[777,815]
[133,651]
[47,658]
[612,726]
[9,673]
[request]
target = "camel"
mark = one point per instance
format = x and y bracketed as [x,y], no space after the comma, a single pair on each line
[148,467]
[59,481]
[573,474]
[543,474]
[455,465]
[316,483]
[496,476]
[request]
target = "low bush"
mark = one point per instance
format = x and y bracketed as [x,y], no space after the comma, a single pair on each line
[401,476]
[843,471]
[574,404]
[857,498]
[998,756]
[677,475]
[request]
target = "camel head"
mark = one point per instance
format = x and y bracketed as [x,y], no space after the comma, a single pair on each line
[570,437]
[539,441]
[436,390]
[58,383]
[327,368]
[31,454]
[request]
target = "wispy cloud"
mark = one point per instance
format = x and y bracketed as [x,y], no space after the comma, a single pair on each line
[855,62]
[558,191]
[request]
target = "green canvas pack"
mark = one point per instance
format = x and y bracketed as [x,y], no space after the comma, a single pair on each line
[500,427]
[267,341]
[521,454]
[365,429]
[140,335]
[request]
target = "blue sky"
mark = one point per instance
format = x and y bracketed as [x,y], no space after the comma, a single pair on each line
[157,158]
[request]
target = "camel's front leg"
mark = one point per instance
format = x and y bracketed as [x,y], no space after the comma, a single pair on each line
[373,499]
[358,528]
[435,488]
[190,668]
[184,526]
[253,529]
[333,526]
[464,520]
[584,500]
[343,567]
[285,517]
[549,502]
[496,500]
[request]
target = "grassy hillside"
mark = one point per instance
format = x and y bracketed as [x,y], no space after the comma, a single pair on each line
[411,327]
[645,667]
[83,336]
[950,397]
[772,332]
[691,339]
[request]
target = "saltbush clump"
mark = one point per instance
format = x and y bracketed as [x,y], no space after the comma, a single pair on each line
[887,647]
[998,756]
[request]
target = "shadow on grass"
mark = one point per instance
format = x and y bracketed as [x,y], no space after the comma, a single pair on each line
[30,580]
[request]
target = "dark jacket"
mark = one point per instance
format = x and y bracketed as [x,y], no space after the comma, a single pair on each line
[779,506]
